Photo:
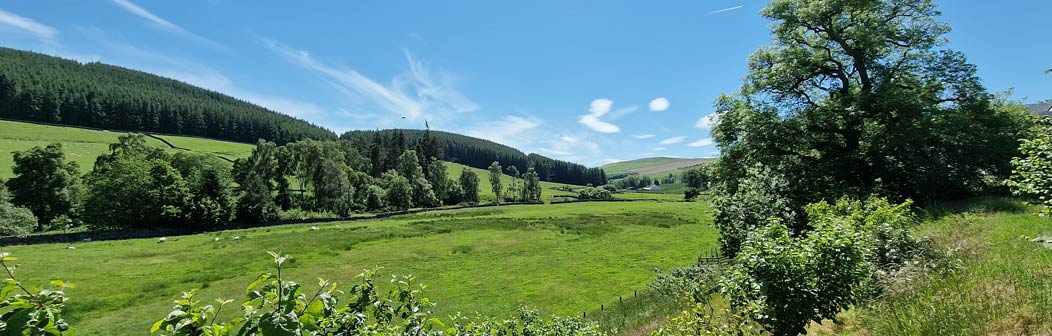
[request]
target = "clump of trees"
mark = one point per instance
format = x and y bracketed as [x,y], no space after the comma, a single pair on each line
[135,185]
[472,152]
[523,188]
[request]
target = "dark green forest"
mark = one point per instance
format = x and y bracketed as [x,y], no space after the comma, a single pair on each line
[474,152]
[37,87]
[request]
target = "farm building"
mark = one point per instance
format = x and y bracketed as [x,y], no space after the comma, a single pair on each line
[1044,109]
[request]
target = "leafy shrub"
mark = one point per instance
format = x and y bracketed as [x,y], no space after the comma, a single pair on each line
[698,281]
[1032,174]
[16,221]
[27,313]
[783,282]
[275,306]
[591,193]
[759,198]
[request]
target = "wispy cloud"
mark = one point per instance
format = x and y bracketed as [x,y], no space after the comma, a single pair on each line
[643,136]
[596,110]
[621,112]
[701,143]
[508,129]
[659,104]
[708,121]
[130,7]
[41,31]
[725,10]
[416,96]
[673,140]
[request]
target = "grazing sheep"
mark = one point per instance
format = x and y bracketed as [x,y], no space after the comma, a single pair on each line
[236,238]
[162,240]
[314,228]
[71,247]
[216,239]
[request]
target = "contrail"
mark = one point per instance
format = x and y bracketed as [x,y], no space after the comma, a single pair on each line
[726,10]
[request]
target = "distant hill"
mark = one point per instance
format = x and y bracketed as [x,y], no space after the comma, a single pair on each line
[480,153]
[38,87]
[650,166]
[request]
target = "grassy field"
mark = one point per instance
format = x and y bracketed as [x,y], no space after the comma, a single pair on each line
[83,145]
[562,259]
[548,191]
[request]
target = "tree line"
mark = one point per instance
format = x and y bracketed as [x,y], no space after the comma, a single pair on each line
[37,87]
[479,153]
[136,185]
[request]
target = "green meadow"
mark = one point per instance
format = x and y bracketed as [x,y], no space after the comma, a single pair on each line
[562,259]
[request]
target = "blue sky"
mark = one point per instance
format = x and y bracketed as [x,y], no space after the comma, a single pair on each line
[585,81]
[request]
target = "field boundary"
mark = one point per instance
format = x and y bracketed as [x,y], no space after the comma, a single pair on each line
[72,237]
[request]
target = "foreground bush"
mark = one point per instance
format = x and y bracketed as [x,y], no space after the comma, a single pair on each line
[779,282]
[26,312]
[275,306]
[1032,172]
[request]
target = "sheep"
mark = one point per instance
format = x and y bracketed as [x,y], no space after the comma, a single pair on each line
[162,240]
[71,247]
[314,228]
[236,238]
[216,239]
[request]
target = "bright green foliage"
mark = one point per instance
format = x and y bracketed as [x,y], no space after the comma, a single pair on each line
[784,282]
[1032,176]
[439,180]
[591,193]
[760,197]
[531,186]
[469,183]
[399,191]
[135,186]
[275,306]
[14,220]
[376,198]
[28,313]
[494,179]
[45,183]
[860,97]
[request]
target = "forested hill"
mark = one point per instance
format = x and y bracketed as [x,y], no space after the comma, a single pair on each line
[37,87]
[480,153]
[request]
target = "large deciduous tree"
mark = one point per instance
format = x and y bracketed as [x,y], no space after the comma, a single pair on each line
[861,96]
[469,183]
[45,183]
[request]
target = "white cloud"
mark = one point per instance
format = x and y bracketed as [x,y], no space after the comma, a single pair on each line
[708,121]
[596,110]
[569,139]
[43,32]
[701,143]
[503,130]
[725,10]
[673,140]
[659,104]
[643,136]
[609,161]
[130,7]
[416,95]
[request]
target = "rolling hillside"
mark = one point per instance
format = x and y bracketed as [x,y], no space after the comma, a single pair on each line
[656,166]
[38,87]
